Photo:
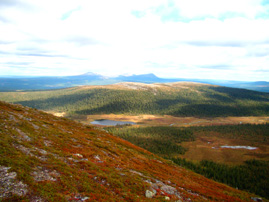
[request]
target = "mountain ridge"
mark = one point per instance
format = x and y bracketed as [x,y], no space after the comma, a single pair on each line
[90,78]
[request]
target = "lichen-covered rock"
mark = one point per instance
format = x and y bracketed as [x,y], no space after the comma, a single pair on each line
[9,185]
[150,194]
[43,174]
[22,136]
[78,155]
[78,197]
[256,199]
[167,198]
[168,189]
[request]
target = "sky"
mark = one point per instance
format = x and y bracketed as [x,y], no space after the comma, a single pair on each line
[208,39]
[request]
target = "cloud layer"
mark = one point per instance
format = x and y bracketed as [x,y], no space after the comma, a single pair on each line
[214,39]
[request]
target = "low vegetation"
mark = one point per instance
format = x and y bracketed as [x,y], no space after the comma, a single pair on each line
[178,99]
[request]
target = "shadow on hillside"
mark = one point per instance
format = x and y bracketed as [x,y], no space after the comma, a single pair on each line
[241,94]
[213,110]
[165,148]
[225,102]
[56,102]
[201,110]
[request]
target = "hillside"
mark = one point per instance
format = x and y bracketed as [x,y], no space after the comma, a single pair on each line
[47,158]
[176,99]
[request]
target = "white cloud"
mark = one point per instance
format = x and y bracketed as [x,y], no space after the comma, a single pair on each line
[216,8]
[188,38]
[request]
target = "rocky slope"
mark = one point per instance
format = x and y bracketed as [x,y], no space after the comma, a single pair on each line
[47,158]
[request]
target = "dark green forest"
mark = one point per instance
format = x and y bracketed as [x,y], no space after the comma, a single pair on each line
[164,140]
[202,101]
[250,132]
[252,176]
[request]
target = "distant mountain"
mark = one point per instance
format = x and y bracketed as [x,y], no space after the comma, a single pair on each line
[143,78]
[52,82]
[90,74]
[47,158]
[89,78]
[262,86]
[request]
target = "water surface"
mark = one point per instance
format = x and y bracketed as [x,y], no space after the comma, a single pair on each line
[239,147]
[107,122]
[236,147]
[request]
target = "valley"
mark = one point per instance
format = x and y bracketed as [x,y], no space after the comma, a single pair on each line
[207,144]
[231,143]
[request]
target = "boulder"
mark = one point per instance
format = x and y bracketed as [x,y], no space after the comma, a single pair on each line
[150,194]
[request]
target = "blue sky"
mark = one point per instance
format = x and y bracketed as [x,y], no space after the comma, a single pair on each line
[210,39]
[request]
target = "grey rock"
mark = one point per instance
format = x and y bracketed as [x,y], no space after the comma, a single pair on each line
[9,185]
[150,194]
[167,198]
[256,199]
[43,174]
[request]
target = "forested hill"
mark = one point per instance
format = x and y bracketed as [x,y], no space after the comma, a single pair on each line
[178,99]
[47,158]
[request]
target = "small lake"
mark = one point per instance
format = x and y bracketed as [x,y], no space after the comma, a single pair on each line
[106,122]
[239,147]
[236,147]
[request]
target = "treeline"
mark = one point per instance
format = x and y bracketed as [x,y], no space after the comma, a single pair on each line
[252,176]
[203,101]
[164,141]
